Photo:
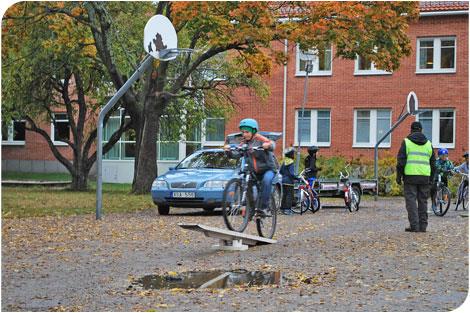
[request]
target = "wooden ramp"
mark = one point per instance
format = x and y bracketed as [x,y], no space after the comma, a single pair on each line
[228,240]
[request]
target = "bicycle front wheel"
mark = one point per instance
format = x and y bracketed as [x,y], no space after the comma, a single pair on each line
[266,225]
[442,203]
[234,208]
[303,203]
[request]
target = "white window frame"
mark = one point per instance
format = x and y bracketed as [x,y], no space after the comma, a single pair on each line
[372,130]
[10,141]
[313,129]
[58,143]
[212,143]
[373,70]
[316,64]
[436,55]
[436,129]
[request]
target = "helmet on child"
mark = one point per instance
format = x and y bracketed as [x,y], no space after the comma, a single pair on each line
[313,149]
[465,155]
[289,152]
[442,151]
[249,124]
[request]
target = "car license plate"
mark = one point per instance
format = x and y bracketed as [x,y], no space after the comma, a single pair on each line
[184,194]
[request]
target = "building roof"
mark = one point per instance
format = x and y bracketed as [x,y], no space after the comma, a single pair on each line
[424,6]
[432,6]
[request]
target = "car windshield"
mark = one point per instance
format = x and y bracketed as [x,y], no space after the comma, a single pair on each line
[209,159]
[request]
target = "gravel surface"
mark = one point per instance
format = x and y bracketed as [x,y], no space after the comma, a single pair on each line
[331,261]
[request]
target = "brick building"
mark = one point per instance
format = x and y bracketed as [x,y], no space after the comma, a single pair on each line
[349,104]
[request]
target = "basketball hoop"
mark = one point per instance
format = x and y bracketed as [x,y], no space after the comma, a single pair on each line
[412,103]
[160,39]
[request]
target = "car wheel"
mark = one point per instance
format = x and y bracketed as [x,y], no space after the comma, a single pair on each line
[163,209]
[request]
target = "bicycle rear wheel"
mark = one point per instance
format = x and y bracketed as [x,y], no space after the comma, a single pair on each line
[315,204]
[442,201]
[465,198]
[234,210]
[266,226]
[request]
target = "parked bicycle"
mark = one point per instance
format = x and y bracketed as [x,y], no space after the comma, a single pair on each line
[462,192]
[307,196]
[351,195]
[442,198]
[241,197]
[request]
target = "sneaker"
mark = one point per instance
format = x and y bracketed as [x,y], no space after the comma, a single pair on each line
[287,212]
[409,229]
[263,212]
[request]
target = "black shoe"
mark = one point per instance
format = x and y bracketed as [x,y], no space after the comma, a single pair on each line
[422,230]
[263,212]
[411,230]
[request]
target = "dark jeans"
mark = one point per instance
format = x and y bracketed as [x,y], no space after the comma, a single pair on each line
[266,187]
[416,197]
[287,196]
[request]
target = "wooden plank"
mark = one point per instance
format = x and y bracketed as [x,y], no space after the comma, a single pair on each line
[225,234]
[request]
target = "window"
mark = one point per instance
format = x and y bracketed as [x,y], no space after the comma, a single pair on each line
[61,130]
[363,66]
[214,131]
[436,55]
[321,61]
[14,133]
[370,126]
[193,139]
[439,127]
[313,127]
[167,146]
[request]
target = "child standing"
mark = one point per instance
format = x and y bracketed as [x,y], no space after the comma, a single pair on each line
[288,179]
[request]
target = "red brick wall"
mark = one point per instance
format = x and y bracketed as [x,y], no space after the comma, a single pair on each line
[343,92]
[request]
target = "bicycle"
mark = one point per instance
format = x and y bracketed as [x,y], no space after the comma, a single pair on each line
[442,197]
[462,193]
[241,197]
[308,198]
[351,196]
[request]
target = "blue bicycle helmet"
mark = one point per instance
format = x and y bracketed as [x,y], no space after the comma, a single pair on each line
[442,151]
[249,124]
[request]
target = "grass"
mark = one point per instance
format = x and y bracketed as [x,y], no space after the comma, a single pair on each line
[20,202]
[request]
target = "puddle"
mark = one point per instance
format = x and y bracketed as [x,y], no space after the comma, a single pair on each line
[210,279]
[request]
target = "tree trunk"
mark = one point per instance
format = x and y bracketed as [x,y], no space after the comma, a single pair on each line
[146,169]
[80,181]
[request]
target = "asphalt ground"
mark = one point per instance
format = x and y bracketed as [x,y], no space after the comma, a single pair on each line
[330,261]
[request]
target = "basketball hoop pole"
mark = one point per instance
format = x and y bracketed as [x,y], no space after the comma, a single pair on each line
[99,149]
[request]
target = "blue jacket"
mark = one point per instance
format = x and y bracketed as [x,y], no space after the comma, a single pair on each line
[287,172]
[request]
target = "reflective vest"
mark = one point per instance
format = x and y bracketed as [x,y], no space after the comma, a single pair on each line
[417,158]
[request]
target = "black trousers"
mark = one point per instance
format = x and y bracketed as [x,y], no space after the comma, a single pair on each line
[287,196]
[416,198]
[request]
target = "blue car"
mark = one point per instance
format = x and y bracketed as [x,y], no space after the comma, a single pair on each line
[198,181]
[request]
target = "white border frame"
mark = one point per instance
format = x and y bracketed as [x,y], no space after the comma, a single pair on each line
[436,55]
[372,129]
[10,141]
[372,71]
[58,143]
[313,129]
[315,62]
[436,127]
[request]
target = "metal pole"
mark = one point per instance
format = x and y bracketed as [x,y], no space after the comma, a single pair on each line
[308,69]
[376,152]
[99,149]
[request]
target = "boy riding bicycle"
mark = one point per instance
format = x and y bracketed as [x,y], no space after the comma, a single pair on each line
[261,162]
[443,167]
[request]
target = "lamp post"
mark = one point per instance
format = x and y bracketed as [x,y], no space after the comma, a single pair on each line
[308,69]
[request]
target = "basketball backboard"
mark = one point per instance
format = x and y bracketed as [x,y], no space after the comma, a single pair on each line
[412,103]
[160,38]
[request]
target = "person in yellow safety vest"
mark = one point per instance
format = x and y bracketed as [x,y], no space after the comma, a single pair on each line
[416,167]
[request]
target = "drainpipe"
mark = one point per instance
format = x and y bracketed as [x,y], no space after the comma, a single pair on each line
[284,100]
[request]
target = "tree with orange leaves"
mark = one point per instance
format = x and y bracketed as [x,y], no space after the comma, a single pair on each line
[232,40]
